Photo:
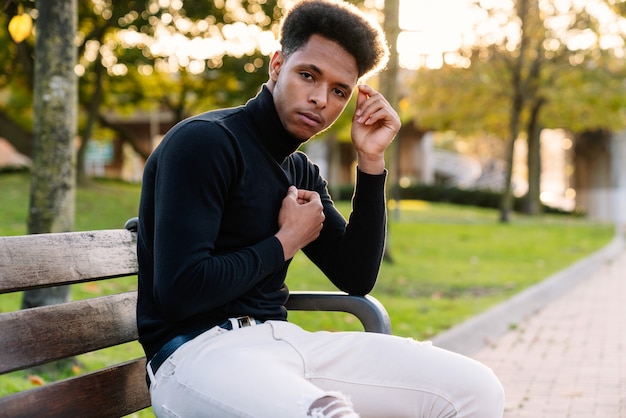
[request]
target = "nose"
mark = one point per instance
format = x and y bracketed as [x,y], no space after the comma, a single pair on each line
[318,97]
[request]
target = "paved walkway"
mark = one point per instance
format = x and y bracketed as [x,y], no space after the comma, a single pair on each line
[567,359]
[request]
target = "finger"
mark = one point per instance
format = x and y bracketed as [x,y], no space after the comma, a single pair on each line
[374,116]
[370,104]
[365,92]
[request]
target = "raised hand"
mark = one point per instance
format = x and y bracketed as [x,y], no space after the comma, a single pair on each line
[374,125]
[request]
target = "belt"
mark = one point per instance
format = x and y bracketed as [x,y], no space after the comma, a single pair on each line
[173,344]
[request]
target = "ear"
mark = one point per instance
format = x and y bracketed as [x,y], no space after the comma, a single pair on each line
[276,63]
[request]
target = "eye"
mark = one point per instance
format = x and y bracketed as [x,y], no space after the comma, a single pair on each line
[306,76]
[339,92]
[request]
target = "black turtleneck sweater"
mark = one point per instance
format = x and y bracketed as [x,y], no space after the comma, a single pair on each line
[208,213]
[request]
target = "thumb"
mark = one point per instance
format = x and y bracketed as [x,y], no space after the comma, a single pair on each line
[292,192]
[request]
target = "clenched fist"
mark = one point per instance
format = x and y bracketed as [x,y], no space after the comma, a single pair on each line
[300,220]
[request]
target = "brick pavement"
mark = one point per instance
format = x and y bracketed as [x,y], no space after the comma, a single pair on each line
[568,360]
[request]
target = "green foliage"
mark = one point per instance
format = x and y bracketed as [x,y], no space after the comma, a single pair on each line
[118,57]
[465,100]
[587,98]
[582,89]
[524,73]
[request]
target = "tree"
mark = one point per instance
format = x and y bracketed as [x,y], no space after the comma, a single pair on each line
[122,69]
[389,89]
[177,57]
[55,120]
[389,77]
[520,66]
[164,57]
[524,70]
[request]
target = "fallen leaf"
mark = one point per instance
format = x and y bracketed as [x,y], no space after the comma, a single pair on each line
[36,380]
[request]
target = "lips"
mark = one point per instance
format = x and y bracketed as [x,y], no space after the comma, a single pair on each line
[310,118]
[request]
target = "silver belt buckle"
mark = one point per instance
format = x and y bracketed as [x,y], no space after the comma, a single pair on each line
[242,322]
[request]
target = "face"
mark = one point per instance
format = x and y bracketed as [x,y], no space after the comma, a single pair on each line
[312,86]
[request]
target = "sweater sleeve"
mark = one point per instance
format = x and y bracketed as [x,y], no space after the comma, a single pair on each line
[194,173]
[350,253]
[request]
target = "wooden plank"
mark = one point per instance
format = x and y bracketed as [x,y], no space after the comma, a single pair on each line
[31,261]
[113,392]
[35,336]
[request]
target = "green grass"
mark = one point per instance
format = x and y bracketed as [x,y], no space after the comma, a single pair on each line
[452,262]
[448,263]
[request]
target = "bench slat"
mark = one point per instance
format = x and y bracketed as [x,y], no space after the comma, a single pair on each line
[31,261]
[113,392]
[35,336]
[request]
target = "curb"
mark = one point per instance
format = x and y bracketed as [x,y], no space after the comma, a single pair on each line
[470,336]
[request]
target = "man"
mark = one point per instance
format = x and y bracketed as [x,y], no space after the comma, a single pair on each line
[228,200]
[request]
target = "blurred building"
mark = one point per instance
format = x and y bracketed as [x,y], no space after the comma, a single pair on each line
[10,158]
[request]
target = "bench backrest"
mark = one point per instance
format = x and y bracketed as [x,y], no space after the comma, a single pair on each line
[31,337]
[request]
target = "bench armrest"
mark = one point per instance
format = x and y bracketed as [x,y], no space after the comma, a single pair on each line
[132,224]
[367,309]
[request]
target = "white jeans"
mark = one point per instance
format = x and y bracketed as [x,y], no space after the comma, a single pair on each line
[276,370]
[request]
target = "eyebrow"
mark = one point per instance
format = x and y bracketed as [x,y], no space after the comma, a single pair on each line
[318,70]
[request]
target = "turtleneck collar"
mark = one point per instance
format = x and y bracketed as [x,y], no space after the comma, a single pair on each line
[270,129]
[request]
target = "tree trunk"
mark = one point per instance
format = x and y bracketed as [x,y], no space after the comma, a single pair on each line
[517,105]
[532,204]
[53,185]
[389,89]
[506,203]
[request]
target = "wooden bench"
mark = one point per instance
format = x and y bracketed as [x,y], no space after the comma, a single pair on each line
[36,336]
